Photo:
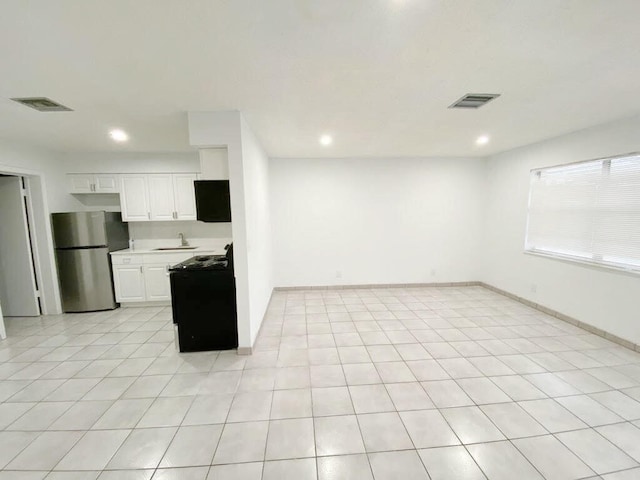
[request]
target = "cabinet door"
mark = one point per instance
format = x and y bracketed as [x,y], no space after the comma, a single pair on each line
[156,281]
[161,204]
[80,183]
[129,283]
[106,184]
[185,197]
[134,198]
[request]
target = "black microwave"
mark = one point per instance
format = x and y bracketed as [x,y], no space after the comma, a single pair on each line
[213,203]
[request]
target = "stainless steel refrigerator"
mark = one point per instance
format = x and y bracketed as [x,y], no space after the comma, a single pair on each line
[83,241]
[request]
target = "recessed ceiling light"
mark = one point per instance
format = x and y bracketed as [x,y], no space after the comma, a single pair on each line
[326,140]
[119,135]
[482,140]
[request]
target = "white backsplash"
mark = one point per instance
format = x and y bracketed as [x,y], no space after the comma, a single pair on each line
[148,235]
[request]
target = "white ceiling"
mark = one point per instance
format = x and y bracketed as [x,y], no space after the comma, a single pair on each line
[376,74]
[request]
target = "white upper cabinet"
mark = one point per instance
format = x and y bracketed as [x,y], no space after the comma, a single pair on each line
[134,198]
[161,198]
[92,183]
[106,184]
[184,195]
[158,197]
[79,183]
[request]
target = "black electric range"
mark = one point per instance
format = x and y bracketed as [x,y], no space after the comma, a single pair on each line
[203,295]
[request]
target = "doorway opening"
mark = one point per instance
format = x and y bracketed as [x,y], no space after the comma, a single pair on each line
[31,231]
[19,271]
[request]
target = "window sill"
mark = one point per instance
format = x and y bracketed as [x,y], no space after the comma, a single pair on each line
[633,271]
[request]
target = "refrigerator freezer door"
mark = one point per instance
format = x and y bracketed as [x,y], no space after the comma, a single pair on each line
[85,279]
[79,229]
[117,231]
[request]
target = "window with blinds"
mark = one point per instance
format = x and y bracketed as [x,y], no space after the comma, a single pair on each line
[587,211]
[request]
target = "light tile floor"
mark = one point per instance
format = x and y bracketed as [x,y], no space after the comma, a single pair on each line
[412,383]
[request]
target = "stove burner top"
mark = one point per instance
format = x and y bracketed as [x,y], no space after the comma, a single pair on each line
[202,262]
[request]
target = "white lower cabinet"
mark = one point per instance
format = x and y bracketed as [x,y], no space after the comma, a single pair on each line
[145,277]
[129,283]
[156,281]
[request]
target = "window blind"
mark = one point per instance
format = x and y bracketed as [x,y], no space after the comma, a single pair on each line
[587,211]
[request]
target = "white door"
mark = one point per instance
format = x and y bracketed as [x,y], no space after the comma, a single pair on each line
[134,198]
[156,280]
[129,283]
[106,184]
[18,294]
[80,183]
[185,197]
[161,197]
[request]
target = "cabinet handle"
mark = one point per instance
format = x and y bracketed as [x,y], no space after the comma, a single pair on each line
[175,215]
[93,187]
[166,269]
[141,270]
[149,215]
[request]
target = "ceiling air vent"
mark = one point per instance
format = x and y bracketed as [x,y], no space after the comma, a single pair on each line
[474,100]
[42,104]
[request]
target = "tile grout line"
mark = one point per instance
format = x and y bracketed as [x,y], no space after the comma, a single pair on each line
[404,361]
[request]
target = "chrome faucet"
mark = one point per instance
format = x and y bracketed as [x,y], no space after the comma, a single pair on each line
[183,241]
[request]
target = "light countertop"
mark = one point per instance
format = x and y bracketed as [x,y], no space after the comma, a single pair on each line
[147,246]
[148,250]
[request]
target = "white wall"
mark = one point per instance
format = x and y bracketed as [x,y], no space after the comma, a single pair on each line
[606,299]
[188,162]
[41,162]
[248,172]
[257,217]
[214,164]
[376,220]
[170,230]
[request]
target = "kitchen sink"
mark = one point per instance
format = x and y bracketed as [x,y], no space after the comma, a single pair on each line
[175,248]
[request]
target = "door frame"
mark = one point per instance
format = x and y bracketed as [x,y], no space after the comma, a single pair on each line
[42,238]
[21,285]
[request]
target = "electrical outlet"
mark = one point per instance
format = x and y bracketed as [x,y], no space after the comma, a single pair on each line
[534,288]
[338,274]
